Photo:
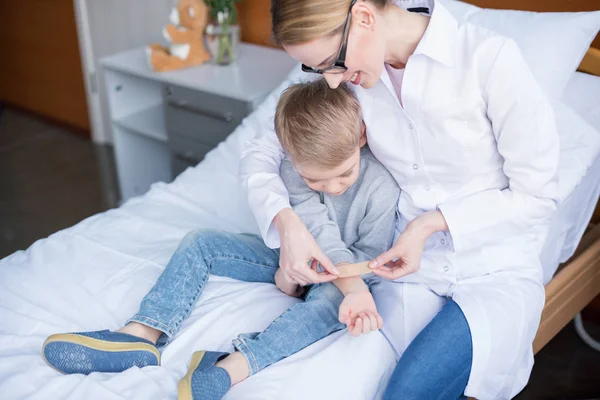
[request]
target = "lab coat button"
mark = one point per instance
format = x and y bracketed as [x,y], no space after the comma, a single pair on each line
[410,126]
[415,166]
[427,187]
[443,241]
[446,268]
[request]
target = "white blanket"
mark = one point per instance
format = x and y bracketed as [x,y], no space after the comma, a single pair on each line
[93,276]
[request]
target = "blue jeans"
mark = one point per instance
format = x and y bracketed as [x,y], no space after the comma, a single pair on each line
[245,258]
[437,364]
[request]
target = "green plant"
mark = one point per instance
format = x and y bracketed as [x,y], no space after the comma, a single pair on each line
[223,6]
[224,13]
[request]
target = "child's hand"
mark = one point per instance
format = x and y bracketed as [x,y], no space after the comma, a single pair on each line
[287,285]
[359,313]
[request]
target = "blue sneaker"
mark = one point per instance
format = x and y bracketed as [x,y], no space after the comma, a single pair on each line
[203,380]
[98,351]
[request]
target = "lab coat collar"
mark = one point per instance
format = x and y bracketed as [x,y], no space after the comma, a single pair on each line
[437,42]
[440,36]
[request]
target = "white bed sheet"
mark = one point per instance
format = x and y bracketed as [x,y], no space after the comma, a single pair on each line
[93,276]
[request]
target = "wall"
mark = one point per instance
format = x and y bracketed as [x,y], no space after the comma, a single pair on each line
[40,69]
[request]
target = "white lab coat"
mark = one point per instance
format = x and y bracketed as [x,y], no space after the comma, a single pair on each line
[474,138]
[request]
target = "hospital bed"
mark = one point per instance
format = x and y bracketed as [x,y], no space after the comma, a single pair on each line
[94,274]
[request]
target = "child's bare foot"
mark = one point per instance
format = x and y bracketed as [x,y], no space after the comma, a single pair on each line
[287,286]
[142,331]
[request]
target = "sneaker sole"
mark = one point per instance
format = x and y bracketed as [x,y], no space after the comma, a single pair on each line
[184,388]
[98,345]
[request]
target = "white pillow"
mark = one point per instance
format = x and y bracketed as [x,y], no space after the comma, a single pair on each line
[553,44]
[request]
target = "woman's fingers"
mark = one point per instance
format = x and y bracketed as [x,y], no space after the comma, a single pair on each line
[310,275]
[304,275]
[384,272]
[314,265]
[383,259]
[298,279]
[397,270]
[326,262]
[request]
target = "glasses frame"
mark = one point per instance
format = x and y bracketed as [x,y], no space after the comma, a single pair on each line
[339,65]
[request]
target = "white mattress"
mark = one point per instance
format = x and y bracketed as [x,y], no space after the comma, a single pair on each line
[93,276]
[579,174]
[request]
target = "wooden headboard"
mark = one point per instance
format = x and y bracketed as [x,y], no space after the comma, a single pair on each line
[255,18]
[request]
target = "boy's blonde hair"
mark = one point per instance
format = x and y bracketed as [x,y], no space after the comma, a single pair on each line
[317,125]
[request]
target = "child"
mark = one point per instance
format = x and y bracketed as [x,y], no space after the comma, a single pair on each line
[346,198]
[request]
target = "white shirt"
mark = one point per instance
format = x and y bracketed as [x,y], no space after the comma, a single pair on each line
[475,138]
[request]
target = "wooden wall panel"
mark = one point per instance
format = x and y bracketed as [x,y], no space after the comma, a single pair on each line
[40,67]
[255,21]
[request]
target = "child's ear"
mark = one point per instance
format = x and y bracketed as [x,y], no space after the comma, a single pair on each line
[363,135]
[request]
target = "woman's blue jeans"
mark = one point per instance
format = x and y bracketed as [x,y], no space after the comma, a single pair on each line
[437,364]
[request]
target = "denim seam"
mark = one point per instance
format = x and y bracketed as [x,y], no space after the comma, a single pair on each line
[240,344]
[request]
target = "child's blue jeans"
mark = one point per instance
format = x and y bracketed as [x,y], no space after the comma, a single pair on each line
[435,366]
[245,258]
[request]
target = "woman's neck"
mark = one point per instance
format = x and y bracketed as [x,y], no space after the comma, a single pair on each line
[403,32]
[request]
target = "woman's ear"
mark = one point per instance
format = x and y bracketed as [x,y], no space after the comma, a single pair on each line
[363,15]
[363,135]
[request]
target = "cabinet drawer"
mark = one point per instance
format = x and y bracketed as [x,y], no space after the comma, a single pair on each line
[207,117]
[182,122]
[189,150]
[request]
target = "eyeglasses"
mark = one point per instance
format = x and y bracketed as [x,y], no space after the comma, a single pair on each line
[339,65]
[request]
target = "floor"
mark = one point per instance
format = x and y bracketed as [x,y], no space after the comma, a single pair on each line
[51,179]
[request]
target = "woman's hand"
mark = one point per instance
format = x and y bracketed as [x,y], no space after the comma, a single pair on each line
[408,249]
[298,248]
[286,285]
[359,313]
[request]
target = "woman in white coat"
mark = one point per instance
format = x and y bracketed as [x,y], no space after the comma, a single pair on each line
[456,116]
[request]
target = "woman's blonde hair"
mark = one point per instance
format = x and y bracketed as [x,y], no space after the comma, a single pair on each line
[317,125]
[300,21]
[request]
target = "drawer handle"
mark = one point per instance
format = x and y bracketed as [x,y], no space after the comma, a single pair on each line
[226,116]
[188,156]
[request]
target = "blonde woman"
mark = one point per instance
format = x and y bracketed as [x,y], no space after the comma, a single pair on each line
[453,112]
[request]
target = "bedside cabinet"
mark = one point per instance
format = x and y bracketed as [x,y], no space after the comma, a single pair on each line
[197,121]
[165,122]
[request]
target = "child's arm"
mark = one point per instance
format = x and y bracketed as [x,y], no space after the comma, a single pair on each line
[307,204]
[351,284]
[358,310]
[376,229]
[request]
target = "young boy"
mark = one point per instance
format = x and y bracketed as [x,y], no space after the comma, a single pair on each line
[346,198]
